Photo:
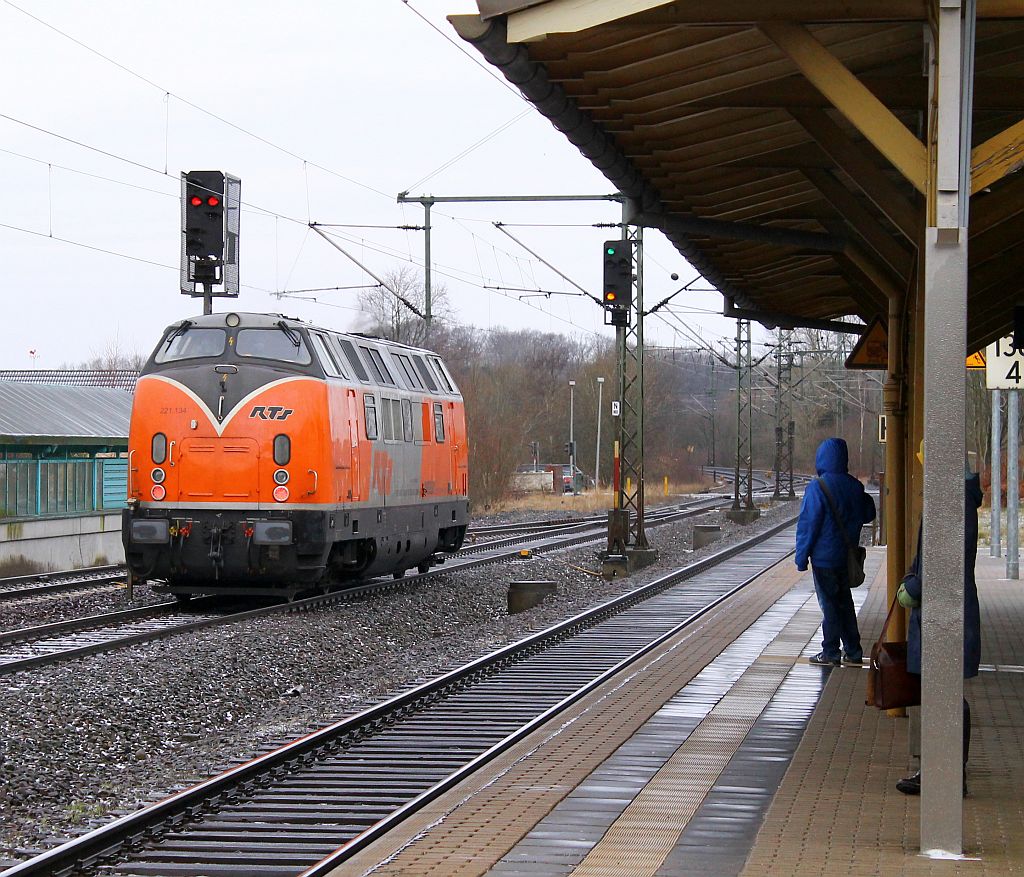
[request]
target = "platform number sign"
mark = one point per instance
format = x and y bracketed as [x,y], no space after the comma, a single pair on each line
[1004,365]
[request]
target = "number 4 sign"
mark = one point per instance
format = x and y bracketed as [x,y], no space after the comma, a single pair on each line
[1004,365]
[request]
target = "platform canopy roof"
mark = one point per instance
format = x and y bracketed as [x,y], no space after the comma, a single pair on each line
[779,144]
[64,417]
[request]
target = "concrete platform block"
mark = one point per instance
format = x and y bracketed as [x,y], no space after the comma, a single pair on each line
[527,594]
[705,534]
[743,516]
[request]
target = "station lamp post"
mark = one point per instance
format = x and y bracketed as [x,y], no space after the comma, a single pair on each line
[597,451]
[572,438]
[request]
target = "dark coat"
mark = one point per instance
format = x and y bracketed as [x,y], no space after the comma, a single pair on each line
[972,614]
[817,534]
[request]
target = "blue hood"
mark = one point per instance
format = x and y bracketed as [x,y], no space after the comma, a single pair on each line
[832,456]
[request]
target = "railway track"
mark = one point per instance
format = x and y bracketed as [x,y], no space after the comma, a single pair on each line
[54,583]
[74,638]
[306,807]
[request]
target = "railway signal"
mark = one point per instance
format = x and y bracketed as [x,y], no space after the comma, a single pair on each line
[617,292]
[210,210]
[204,221]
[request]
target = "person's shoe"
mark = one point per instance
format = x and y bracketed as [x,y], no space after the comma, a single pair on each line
[853,662]
[910,785]
[826,662]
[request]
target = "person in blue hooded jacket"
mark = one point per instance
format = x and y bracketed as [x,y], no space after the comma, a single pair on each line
[820,541]
[910,597]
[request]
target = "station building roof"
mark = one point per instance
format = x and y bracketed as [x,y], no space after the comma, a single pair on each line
[119,378]
[779,143]
[32,415]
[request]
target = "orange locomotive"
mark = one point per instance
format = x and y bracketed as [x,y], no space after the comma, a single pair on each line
[270,456]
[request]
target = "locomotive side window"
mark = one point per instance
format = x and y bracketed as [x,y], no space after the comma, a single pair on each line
[327,358]
[407,420]
[282,450]
[186,343]
[421,367]
[353,359]
[438,422]
[405,364]
[159,448]
[370,407]
[283,344]
[387,418]
[421,425]
[447,384]
[378,367]
[373,366]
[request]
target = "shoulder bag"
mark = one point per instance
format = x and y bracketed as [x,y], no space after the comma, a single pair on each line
[855,554]
[889,684]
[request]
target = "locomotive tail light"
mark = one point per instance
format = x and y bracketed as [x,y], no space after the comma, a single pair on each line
[158,492]
[281,476]
[158,475]
[281,493]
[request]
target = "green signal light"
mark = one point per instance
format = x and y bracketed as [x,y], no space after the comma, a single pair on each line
[610,251]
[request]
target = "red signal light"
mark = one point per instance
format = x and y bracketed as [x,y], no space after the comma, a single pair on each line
[196,201]
[213,200]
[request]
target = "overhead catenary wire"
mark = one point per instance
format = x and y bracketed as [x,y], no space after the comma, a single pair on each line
[168,93]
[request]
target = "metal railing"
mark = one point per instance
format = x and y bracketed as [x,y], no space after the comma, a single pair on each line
[60,487]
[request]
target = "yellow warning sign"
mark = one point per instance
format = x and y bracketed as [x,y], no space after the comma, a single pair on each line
[872,351]
[976,360]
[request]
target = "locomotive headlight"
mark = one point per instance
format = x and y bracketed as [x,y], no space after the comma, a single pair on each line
[280,493]
[281,476]
[158,492]
[157,475]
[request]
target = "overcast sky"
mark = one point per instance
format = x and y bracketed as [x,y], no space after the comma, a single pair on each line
[327,110]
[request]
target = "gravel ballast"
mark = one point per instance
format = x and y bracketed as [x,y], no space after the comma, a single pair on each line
[83,741]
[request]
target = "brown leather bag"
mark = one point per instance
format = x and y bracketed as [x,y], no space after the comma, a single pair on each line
[889,684]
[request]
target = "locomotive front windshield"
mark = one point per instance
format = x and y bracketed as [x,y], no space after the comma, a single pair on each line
[191,343]
[282,344]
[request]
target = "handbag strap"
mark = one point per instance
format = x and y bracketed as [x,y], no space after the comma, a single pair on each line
[835,512]
[885,624]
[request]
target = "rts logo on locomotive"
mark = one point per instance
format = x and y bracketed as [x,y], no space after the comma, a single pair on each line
[271,412]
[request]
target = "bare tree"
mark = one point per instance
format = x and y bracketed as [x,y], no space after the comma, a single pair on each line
[392,318]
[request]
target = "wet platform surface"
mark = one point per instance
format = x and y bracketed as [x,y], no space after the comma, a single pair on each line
[726,753]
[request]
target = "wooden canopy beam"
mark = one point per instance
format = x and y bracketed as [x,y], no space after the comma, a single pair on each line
[536,21]
[865,173]
[997,157]
[862,222]
[853,99]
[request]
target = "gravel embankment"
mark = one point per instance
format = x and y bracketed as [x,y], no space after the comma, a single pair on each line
[108,733]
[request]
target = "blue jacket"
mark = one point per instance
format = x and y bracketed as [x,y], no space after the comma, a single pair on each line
[818,537]
[972,614]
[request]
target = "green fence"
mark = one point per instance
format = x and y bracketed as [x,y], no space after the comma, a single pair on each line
[54,488]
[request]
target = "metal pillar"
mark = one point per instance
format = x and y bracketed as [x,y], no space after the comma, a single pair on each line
[1012,486]
[630,343]
[894,497]
[427,313]
[743,496]
[995,544]
[945,395]
[784,427]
